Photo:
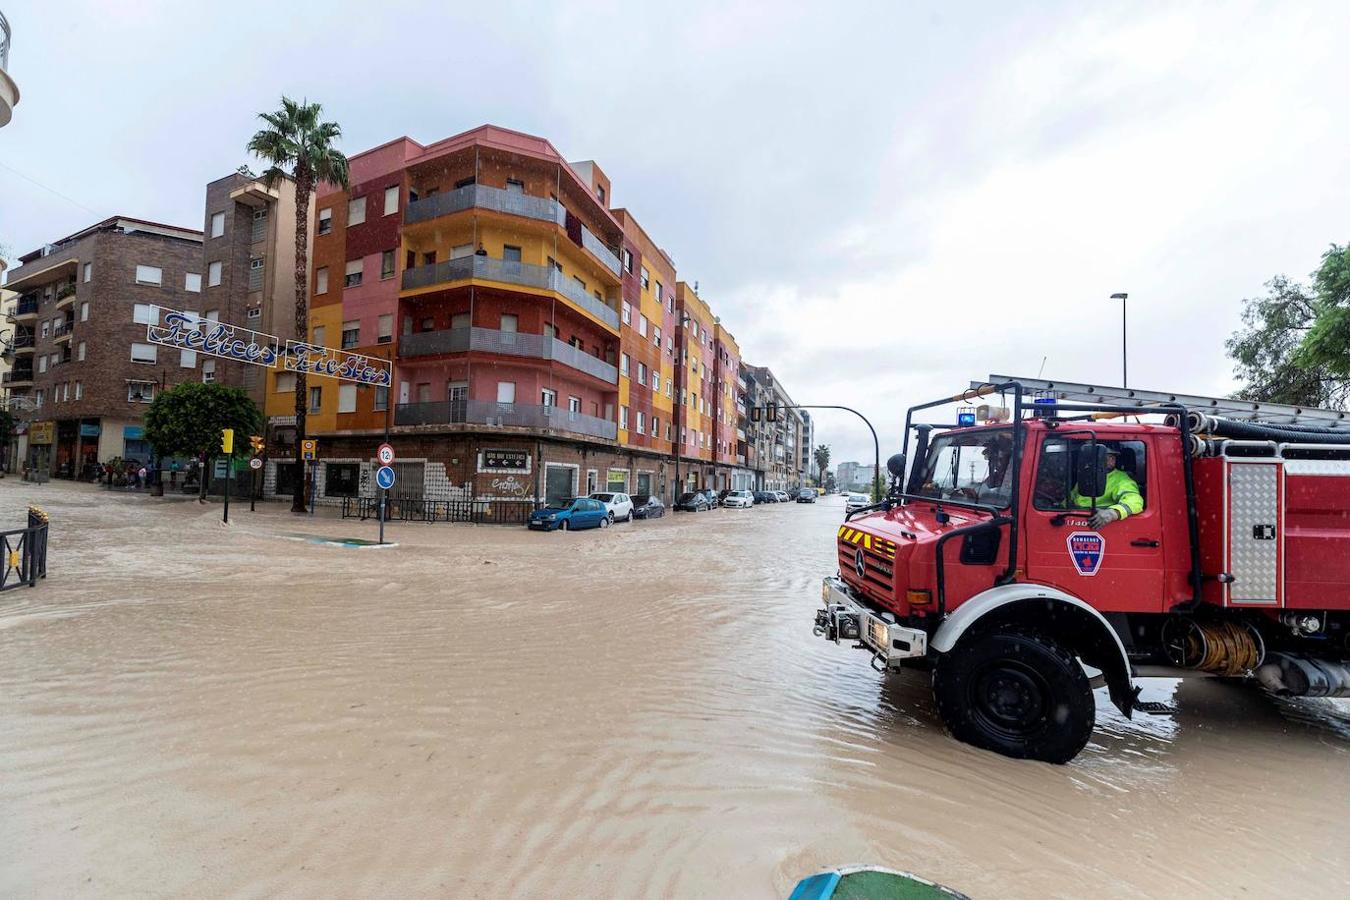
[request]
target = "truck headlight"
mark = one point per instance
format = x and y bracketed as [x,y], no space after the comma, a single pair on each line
[825,591]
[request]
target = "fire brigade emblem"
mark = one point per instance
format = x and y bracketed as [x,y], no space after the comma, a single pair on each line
[860,563]
[1086,549]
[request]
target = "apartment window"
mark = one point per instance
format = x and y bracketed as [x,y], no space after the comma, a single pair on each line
[646,279]
[628,260]
[88,272]
[600,193]
[623,364]
[41,395]
[256,266]
[79,390]
[548,397]
[623,417]
[694,325]
[321,280]
[141,391]
[213,274]
[656,335]
[79,352]
[510,254]
[670,387]
[642,374]
[459,320]
[387,264]
[149,275]
[351,334]
[515,186]
[145,314]
[385,328]
[46,329]
[353,272]
[659,290]
[459,251]
[192,282]
[574,404]
[642,325]
[285,383]
[381,398]
[356,211]
[187,359]
[217,224]
[42,365]
[391,200]
[424,392]
[315,399]
[656,426]
[506,392]
[209,371]
[325,221]
[579,283]
[320,332]
[347,398]
[627,313]
[143,353]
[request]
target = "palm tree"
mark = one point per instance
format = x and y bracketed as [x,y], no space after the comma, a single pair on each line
[822,456]
[296,140]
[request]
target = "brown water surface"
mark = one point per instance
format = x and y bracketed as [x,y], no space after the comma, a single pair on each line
[192,709]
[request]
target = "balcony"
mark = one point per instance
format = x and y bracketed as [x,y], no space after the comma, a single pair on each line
[485,268]
[17,378]
[25,310]
[509,343]
[480,196]
[518,415]
[61,330]
[22,343]
[65,295]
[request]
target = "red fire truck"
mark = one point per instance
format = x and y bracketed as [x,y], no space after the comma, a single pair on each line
[982,566]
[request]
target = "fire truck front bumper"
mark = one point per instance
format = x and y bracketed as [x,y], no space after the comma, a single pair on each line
[846,618]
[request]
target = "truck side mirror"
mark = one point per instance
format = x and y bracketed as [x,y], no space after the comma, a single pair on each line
[1092,469]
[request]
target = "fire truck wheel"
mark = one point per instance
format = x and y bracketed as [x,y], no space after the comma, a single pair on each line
[1017,692]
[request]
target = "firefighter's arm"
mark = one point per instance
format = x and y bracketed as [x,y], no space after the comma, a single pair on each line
[1127,501]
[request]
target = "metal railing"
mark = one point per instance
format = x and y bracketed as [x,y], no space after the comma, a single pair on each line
[525,274]
[510,343]
[18,375]
[481,196]
[24,553]
[501,512]
[520,415]
[26,306]
[599,250]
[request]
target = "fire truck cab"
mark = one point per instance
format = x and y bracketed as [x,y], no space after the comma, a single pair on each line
[1231,556]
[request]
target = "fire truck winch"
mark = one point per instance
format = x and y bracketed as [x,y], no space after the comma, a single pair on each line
[1077,528]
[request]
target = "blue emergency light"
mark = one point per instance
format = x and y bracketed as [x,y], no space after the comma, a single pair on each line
[965,417]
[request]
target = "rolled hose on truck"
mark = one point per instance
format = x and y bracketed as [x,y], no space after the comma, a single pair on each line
[1200,423]
[1289,675]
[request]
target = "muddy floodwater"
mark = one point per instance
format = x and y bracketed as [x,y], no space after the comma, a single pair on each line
[188,709]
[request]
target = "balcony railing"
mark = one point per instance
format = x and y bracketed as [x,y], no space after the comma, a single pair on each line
[599,250]
[510,343]
[486,412]
[481,196]
[525,274]
[17,376]
[27,306]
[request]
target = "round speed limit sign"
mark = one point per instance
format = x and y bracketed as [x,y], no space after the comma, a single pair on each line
[385,454]
[255,463]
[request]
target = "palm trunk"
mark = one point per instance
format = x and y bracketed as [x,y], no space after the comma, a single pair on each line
[302,192]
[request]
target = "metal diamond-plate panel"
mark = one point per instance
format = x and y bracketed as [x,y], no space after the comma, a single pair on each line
[1254,533]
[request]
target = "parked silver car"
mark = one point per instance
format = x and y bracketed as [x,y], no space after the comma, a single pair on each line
[738,500]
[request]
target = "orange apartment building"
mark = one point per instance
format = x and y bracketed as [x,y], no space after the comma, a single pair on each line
[542,344]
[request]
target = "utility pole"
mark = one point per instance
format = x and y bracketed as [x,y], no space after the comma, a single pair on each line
[1124,344]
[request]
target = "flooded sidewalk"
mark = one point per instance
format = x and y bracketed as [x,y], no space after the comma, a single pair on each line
[189,708]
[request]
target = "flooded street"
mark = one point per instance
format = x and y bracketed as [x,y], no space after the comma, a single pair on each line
[193,709]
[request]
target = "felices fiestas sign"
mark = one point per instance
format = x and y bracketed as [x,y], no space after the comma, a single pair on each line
[311,358]
[192,332]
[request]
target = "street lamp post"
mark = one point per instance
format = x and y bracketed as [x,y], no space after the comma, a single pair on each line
[1124,345]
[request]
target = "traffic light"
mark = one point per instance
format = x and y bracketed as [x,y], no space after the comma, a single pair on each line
[257,444]
[227,440]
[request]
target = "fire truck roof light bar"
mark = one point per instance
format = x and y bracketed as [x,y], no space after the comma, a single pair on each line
[1243,410]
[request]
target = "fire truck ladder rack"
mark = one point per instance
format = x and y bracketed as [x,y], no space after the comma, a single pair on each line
[1227,408]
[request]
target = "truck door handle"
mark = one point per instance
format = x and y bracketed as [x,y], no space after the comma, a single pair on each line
[1143,542]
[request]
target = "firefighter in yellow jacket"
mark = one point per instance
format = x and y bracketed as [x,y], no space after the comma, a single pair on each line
[1120,500]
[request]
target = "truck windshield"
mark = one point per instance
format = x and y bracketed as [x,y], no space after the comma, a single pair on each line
[971,466]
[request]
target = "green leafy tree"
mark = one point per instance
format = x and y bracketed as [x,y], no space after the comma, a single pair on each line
[297,144]
[188,419]
[822,457]
[1326,347]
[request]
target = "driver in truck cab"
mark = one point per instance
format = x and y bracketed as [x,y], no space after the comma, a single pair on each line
[1120,500]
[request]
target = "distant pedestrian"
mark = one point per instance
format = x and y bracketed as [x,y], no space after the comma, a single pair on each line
[140,477]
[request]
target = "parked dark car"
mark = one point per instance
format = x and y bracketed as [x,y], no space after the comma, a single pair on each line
[692,501]
[766,497]
[645,507]
[806,495]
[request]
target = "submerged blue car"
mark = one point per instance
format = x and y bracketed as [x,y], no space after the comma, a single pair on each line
[569,513]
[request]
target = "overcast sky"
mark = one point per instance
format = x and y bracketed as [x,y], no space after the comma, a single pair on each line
[882,201]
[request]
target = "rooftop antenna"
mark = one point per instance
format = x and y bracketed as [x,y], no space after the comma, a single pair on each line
[1041,371]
